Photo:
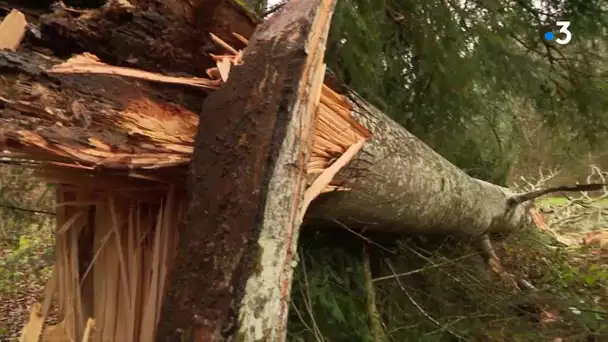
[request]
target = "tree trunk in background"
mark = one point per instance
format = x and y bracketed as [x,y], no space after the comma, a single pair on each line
[399,184]
[232,277]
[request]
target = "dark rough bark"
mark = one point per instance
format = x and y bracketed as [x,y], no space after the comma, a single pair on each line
[401,185]
[168,37]
[233,273]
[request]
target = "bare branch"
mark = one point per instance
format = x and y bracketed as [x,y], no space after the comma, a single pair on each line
[10,207]
[528,196]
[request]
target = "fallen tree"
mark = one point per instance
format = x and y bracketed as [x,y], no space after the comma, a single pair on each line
[280,140]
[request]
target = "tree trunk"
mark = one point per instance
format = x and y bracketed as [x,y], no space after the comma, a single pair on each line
[399,184]
[233,274]
[234,269]
[447,200]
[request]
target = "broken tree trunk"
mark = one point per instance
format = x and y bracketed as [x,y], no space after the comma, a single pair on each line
[399,184]
[252,159]
[233,273]
[92,121]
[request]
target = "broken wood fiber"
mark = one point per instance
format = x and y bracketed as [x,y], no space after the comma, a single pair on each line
[245,214]
[156,36]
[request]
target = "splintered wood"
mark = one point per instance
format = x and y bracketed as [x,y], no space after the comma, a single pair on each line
[87,63]
[123,226]
[117,295]
[335,130]
[12,30]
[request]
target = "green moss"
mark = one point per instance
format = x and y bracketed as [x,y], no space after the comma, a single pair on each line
[257,265]
[251,12]
[240,336]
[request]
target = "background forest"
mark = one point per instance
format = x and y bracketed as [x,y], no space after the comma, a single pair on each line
[476,81]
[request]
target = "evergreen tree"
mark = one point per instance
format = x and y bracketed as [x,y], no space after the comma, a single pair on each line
[458,73]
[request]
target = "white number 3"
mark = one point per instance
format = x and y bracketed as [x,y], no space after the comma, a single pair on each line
[563,28]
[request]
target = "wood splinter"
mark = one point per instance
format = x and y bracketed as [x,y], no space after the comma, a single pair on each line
[12,30]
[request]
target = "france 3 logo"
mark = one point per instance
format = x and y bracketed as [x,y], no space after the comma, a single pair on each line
[564,35]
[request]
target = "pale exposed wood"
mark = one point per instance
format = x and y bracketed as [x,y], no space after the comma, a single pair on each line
[88,63]
[86,337]
[224,44]
[241,38]
[317,187]
[33,327]
[224,68]
[12,30]
[32,330]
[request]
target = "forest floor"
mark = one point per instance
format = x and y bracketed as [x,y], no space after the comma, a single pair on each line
[561,260]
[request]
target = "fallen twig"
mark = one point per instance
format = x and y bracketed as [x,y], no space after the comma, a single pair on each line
[528,196]
[420,308]
[27,210]
[393,276]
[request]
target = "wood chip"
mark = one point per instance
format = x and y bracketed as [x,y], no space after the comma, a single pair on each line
[12,30]
[31,330]
[224,67]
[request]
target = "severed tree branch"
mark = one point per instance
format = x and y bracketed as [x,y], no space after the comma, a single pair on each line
[528,196]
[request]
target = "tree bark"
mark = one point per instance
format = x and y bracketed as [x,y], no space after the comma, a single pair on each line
[161,36]
[399,184]
[232,278]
